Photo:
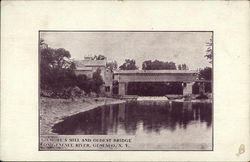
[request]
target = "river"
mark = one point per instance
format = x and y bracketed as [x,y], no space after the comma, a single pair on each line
[153,125]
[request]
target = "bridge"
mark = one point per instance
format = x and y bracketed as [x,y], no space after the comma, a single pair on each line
[187,77]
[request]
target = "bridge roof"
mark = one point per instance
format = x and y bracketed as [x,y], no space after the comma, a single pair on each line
[155,72]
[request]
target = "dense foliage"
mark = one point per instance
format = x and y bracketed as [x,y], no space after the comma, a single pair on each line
[206,73]
[158,65]
[57,77]
[183,67]
[209,51]
[112,65]
[97,81]
[99,57]
[90,84]
[128,65]
[56,69]
[84,83]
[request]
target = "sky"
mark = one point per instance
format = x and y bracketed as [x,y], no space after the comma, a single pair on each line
[179,47]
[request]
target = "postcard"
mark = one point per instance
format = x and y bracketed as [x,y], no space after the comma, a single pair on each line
[124,81]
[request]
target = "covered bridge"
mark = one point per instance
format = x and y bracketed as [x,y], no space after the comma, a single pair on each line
[187,77]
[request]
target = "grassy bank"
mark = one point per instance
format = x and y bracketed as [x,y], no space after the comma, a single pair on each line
[53,111]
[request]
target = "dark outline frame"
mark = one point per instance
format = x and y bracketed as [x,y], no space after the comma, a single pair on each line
[123,31]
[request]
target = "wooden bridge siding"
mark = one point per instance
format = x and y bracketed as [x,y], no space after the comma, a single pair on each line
[156,78]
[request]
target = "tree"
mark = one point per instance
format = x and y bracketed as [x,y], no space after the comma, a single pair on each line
[209,51]
[97,81]
[146,65]
[158,65]
[206,73]
[183,67]
[179,67]
[128,65]
[112,65]
[99,57]
[56,69]
[83,82]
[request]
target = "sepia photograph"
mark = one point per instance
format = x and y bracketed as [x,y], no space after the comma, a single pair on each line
[125,90]
[124,81]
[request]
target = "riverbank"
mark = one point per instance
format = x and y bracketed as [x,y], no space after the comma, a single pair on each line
[53,111]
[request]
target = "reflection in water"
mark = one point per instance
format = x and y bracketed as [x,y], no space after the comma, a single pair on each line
[138,119]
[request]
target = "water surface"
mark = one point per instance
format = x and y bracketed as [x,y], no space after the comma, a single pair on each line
[154,125]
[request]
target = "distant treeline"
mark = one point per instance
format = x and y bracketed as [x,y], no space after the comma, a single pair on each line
[130,64]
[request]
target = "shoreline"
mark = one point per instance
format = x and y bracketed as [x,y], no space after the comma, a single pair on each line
[52,111]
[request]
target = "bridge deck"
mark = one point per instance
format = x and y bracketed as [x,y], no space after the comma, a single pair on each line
[155,72]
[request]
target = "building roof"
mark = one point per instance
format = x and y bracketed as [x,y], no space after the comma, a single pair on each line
[90,63]
[155,71]
[84,68]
